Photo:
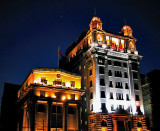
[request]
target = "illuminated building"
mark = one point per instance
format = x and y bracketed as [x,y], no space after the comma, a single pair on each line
[109,66]
[50,100]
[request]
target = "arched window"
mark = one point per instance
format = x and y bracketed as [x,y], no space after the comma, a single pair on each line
[104,123]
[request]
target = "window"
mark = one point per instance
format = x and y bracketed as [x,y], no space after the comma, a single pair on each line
[102,83]
[72,96]
[112,108]
[125,75]
[135,75]
[103,107]
[117,63]
[137,98]
[109,62]
[90,83]
[41,108]
[91,95]
[56,109]
[139,124]
[90,72]
[111,95]
[63,84]
[101,60]
[110,84]
[101,70]
[57,82]
[91,107]
[118,74]
[110,73]
[124,64]
[43,80]
[119,85]
[126,86]
[127,97]
[104,123]
[72,83]
[90,62]
[136,86]
[119,96]
[71,110]
[56,116]
[134,66]
[103,94]
[42,93]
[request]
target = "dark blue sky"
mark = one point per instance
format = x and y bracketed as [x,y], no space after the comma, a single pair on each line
[32,30]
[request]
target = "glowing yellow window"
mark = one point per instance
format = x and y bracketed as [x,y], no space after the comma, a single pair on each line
[99,38]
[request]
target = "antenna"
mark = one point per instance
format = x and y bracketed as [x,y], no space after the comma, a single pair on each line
[125,21]
[95,11]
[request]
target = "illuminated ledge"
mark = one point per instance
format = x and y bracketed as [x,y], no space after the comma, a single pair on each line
[55,70]
[57,87]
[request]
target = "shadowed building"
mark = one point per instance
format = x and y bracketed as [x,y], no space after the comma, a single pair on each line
[109,66]
[8,107]
[151,90]
[50,100]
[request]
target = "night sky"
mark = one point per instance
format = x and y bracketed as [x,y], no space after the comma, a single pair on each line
[31,31]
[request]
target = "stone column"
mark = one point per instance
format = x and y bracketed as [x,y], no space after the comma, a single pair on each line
[115,125]
[32,113]
[49,114]
[79,117]
[65,116]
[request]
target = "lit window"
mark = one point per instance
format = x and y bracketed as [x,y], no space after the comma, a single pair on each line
[43,80]
[99,38]
[72,83]
[101,60]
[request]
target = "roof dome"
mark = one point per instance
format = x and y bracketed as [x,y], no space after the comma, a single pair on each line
[96,23]
[127,31]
